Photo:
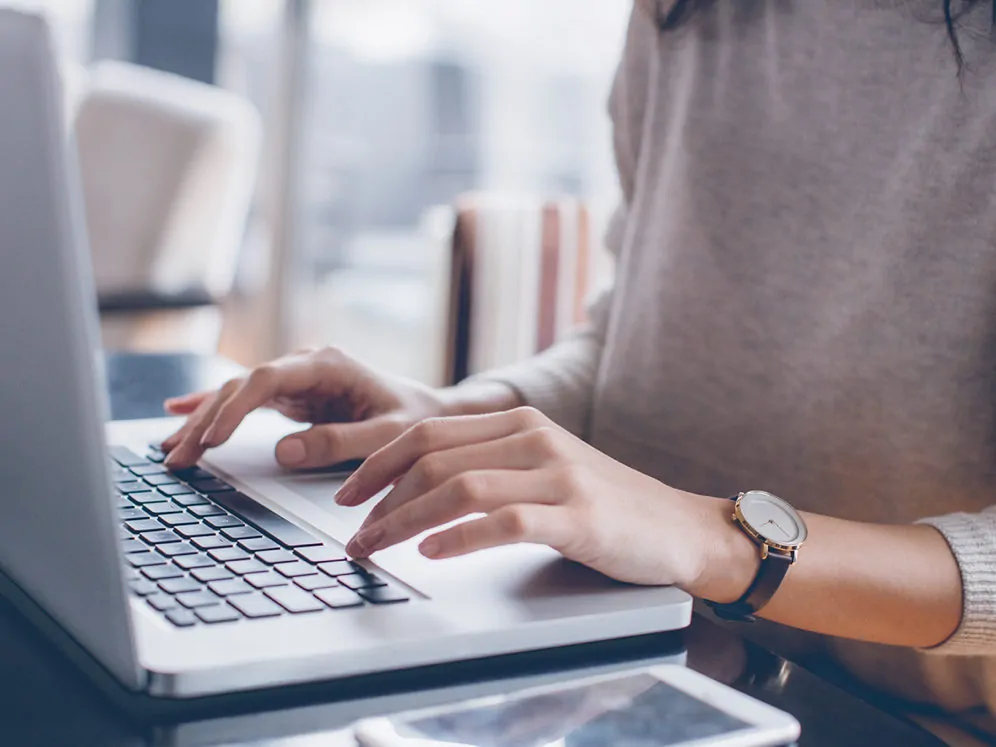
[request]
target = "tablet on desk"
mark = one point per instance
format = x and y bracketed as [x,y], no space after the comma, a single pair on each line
[664,706]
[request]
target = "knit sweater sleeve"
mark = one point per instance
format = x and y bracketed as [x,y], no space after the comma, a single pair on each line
[972,538]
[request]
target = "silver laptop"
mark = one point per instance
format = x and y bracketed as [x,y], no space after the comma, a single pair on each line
[231,576]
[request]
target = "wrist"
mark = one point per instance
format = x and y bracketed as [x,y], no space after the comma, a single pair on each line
[731,560]
[477,398]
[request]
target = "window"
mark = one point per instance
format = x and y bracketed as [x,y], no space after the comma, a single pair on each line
[408,104]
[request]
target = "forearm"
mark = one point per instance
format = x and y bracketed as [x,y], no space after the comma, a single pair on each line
[894,584]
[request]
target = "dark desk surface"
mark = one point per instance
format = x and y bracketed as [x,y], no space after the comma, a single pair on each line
[44,700]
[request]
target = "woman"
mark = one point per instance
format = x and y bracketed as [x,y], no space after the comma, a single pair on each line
[805,303]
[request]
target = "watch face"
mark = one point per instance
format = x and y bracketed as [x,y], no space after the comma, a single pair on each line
[772,518]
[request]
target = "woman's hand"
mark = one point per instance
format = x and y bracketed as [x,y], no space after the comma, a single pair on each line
[534,482]
[354,409]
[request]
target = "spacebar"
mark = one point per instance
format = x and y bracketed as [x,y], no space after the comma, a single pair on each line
[264,519]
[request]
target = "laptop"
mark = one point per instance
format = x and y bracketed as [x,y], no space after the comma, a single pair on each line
[231,576]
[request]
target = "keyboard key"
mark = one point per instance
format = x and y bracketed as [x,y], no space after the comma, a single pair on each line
[132,486]
[125,456]
[181,618]
[220,613]
[310,583]
[162,602]
[295,569]
[132,545]
[338,568]
[255,605]
[260,544]
[131,513]
[383,595]
[272,557]
[195,599]
[227,554]
[339,598]
[145,499]
[268,579]
[159,572]
[214,573]
[179,585]
[174,549]
[164,507]
[195,530]
[211,542]
[146,469]
[221,522]
[193,473]
[210,486]
[322,554]
[142,587]
[144,559]
[122,504]
[241,533]
[230,587]
[206,510]
[294,600]
[159,538]
[174,489]
[158,480]
[143,525]
[190,499]
[358,581]
[242,567]
[131,573]
[263,518]
[175,520]
[189,562]
[156,455]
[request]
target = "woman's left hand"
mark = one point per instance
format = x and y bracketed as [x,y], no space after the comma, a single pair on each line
[535,482]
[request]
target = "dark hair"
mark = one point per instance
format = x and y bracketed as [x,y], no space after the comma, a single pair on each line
[683,9]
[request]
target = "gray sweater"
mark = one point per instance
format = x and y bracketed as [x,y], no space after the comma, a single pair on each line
[805,291]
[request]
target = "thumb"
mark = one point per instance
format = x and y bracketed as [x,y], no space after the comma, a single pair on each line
[325,445]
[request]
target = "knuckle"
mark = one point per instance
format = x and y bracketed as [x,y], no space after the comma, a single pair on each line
[426,434]
[263,376]
[329,354]
[328,440]
[528,417]
[470,489]
[546,440]
[570,481]
[428,470]
[513,522]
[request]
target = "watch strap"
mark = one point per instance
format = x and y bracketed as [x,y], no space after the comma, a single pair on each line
[769,577]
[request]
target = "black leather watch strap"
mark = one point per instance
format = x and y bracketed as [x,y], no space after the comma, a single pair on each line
[769,577]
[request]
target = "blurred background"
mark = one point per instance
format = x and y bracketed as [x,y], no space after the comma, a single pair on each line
[266,175]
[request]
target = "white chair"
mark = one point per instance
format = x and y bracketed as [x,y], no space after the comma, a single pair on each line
[168,168]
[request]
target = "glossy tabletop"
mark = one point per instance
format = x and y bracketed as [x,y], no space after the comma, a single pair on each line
[45,700]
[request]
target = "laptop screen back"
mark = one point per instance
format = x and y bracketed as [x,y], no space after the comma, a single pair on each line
[58,539]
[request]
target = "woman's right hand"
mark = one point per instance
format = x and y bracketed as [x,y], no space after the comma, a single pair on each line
[354,410]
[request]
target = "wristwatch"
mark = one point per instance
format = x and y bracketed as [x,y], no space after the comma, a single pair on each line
[779,532]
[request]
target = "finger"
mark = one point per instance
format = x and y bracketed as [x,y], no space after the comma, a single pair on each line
[185,404]
[259,387]
[483,491]
[169,444]
[432,471]
[190,449]
[522,522]
[324,445]
[438,434]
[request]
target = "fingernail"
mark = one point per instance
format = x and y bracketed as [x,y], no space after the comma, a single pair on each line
[369,539]
[346,494]
[291,452]
[208,438]
[430,548]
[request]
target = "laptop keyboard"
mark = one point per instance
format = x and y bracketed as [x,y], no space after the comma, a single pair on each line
[201,553]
